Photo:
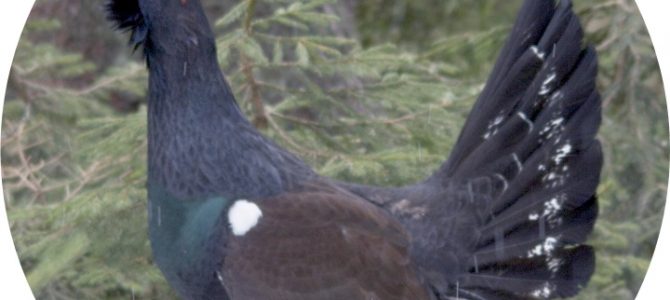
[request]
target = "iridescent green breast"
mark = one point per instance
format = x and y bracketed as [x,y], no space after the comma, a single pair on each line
[184,234]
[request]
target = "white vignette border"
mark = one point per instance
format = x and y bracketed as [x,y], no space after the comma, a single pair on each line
[14,14]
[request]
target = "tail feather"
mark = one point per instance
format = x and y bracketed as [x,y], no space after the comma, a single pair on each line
[542,93]
[539,277]
[526,239]
[541,181]
[529,27]
[532,133]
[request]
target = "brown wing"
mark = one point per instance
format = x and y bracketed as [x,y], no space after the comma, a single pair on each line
[321,244]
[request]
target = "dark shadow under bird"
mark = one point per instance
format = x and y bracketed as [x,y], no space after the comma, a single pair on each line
[232,215]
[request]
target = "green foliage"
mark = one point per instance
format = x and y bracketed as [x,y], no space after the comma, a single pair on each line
[330,84]
[382,107]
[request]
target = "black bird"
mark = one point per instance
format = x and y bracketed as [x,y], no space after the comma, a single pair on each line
[234,216]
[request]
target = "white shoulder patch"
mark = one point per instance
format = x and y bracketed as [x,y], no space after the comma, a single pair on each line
[242,216]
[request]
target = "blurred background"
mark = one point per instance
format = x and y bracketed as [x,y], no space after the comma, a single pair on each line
[370,91]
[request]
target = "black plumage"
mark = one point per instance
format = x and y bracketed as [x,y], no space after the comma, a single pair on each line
[234,216]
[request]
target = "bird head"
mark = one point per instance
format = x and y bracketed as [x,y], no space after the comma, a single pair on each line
[175,19]
[127,16]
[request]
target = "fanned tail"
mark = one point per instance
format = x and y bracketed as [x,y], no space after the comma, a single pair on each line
[531,135]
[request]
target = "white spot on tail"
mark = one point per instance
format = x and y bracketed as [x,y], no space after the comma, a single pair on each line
[243,216]
[546,84]
[562,153]
[551,207]
[545,248]
[537,52]
[557,122]
[553,128]
[493,126]
[498,120]
[543,292]
[537,251]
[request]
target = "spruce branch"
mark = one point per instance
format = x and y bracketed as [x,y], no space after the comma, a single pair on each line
[260,119]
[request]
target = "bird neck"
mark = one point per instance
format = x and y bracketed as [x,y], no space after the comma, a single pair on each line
[186,86]
[193,118]
[200,143]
